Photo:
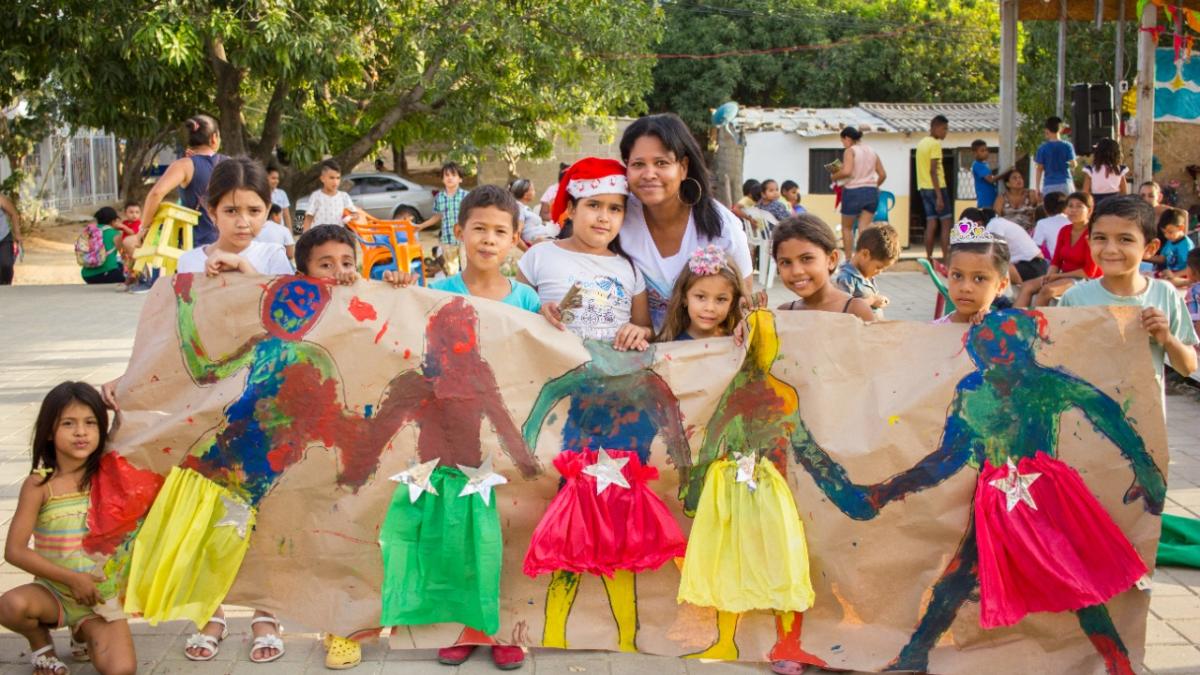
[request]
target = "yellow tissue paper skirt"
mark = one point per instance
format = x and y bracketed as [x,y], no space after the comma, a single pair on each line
[746,550]
[188,551]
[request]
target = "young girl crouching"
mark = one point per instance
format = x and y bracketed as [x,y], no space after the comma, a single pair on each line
[68,439]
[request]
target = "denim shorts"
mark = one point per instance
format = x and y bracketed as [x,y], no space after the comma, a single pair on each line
[857,200]
[929,200]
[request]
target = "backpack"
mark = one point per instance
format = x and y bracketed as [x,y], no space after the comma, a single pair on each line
[89,247]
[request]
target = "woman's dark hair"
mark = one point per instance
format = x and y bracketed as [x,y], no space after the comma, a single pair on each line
[321,234]
[1008,174]
[519,188]
[53,405]
[200,130]
[1129,207]
[1083,198]
[1107,154]
[852,133]
[806,227]
[674,134]
[237,173]
[105,215]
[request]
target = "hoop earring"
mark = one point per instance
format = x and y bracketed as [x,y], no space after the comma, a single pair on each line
[699,192]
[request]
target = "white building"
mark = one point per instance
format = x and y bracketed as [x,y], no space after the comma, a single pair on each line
[796,143]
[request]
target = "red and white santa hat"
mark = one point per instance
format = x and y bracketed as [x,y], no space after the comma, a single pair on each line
[588,177]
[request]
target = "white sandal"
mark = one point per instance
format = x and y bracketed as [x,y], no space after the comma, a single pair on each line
[200,640]
[46,659]
[79,650]
[272,641]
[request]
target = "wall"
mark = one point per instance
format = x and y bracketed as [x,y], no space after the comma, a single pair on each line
[782,155]
[543,172]
[1175,146]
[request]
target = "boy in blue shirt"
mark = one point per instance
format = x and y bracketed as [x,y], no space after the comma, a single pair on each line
[1054,158]
[985,176]
[1124,233]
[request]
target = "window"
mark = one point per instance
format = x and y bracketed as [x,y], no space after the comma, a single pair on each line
[818,175]
[370,185]
[966,180]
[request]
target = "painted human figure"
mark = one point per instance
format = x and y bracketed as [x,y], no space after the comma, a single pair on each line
[448,398]
[442,551]
[243,452]
[758,421]
[1004,421]
[619,404]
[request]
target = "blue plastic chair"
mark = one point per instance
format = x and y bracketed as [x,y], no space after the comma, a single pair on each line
[887,201]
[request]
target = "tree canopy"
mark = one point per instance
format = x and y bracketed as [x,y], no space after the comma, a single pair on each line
[337,78]
[853,51]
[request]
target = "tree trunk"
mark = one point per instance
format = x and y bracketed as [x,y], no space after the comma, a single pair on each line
[399,161]
[229,100]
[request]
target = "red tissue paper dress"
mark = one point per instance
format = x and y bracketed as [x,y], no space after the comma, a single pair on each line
[1062,554]
[618,529]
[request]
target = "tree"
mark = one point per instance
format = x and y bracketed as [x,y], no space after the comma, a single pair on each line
[929,51]
[1089,59]
[341,77]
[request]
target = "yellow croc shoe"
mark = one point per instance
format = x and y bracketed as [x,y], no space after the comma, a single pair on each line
[341,653]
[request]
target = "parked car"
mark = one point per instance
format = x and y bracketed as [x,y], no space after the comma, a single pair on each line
[384,195]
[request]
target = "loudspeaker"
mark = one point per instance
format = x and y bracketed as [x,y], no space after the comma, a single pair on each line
[1081,111]
[1092,115]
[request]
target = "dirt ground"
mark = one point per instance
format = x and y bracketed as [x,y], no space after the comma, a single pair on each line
[49,257]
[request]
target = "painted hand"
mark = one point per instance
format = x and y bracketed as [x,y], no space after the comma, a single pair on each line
[1152,497]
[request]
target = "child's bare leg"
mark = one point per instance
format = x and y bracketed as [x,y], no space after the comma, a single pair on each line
[212,628]
[110,645]
[29,610]
[1025,297]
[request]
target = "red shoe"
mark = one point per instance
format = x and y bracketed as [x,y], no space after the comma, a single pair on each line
[508,657]
[456,655]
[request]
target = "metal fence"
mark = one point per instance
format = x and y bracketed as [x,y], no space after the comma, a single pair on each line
[73,171]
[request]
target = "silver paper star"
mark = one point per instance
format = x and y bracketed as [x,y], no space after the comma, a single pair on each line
[607,471]
[746,464]
[416,477]
[237,514]
[1015,486]
[481,481]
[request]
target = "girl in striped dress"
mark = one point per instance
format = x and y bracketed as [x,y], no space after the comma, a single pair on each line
[69,437]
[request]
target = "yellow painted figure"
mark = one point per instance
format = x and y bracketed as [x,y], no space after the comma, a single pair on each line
[747,549]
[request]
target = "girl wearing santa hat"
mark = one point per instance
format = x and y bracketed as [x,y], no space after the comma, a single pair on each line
[586,283]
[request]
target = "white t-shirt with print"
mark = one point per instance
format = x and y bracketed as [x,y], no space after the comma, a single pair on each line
[1045,233]
[268,259]
[328,209]
[607,284]
[661,272]
[274,233]
[1020,245]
